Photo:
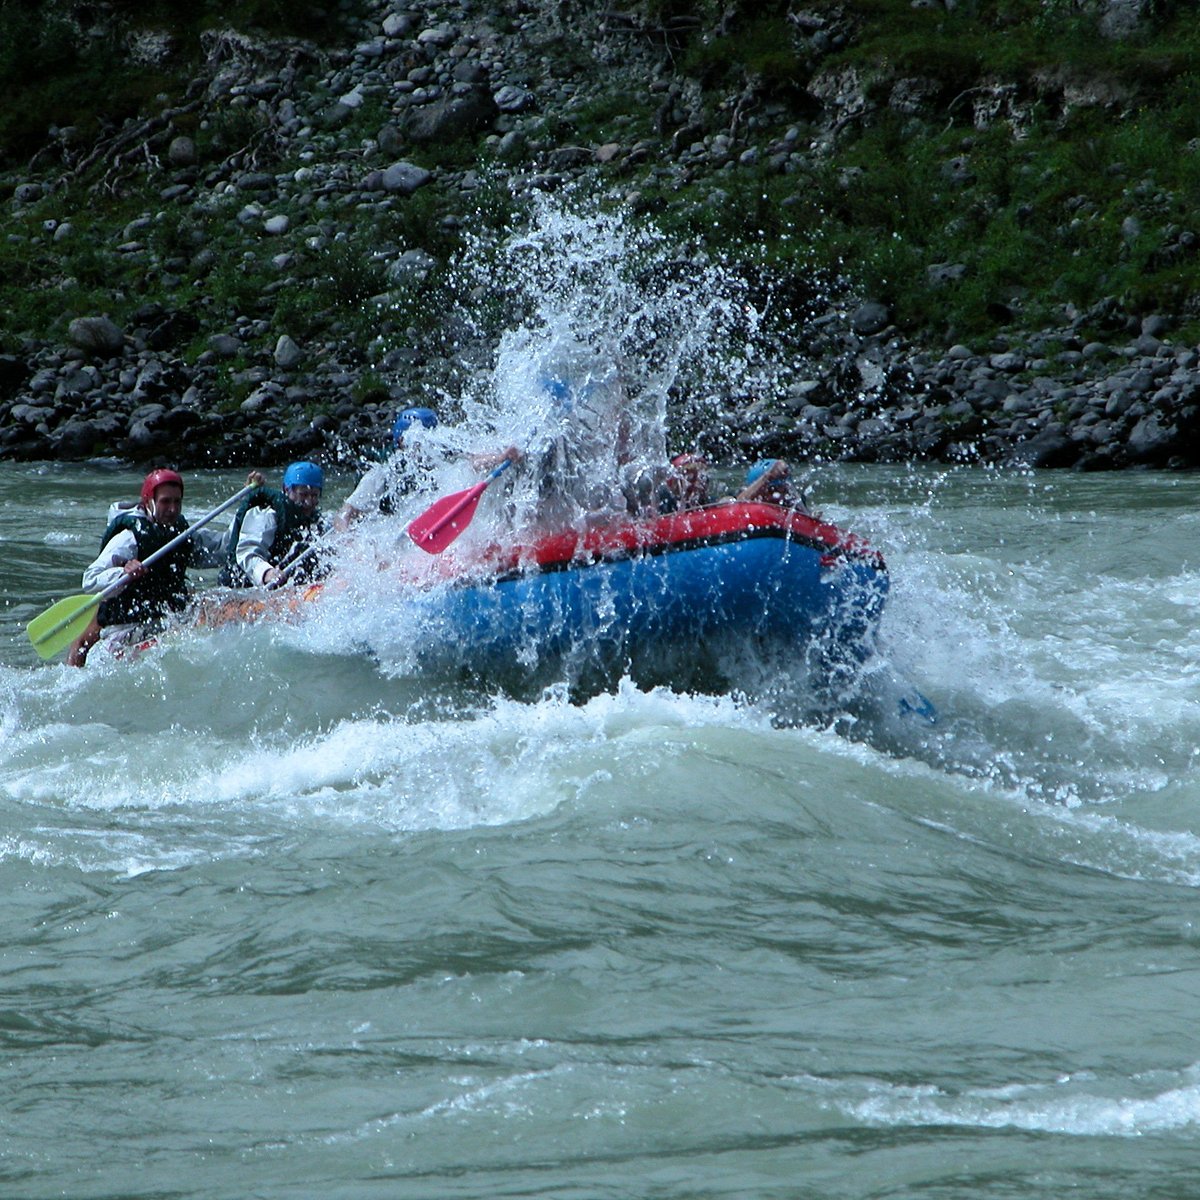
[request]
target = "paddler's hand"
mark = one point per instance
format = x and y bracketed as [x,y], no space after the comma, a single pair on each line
[270,575]
[134,569]
[256,479]
[488,462]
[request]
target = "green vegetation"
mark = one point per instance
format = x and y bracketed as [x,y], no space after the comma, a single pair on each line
[970,226]
[63,62]
[761,47]
[996,203]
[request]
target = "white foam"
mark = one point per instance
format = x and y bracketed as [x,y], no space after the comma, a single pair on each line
[1079,1106]
[511,762]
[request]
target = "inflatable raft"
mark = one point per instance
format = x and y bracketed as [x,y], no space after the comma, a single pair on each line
[684,600]
[666,599]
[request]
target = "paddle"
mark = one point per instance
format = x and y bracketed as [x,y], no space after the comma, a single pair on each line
[446,518]
[287,569]
[56,628]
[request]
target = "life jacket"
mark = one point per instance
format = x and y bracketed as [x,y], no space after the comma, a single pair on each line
[163,588]
[295,529]
[400,485]
[404,472]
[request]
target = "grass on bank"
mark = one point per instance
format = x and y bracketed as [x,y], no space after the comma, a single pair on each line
[1033,216]
[966,231]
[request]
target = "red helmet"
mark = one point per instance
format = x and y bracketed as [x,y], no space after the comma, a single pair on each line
[155,480]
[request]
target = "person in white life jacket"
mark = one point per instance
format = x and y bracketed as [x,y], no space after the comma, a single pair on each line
[386,483]
[274,529]
[151,594]
[585,466]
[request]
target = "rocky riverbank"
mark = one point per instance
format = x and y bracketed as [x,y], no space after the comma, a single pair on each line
[1061,401]
[1132,401]
[282,162]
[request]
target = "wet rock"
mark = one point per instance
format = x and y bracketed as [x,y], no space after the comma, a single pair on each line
[390,141]
[512,99]
[287,354]
[30,414]
[98,336]
[150,415]
[75,382]
[182,152]
[404,178]
[411,267]
[397,25]
[1007,362]
[85,437]
[1150,441]
[449,120]
[1051,447]
[512,146]
[870,318]
[180,419]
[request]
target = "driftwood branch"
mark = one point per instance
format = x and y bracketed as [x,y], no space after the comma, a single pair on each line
[137,135]
[620,22]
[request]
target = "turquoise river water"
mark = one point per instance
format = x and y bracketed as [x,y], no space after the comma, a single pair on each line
[282,920]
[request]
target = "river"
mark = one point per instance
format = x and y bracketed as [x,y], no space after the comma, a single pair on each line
[282,921]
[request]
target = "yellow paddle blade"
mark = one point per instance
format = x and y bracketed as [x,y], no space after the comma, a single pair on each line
[56,628]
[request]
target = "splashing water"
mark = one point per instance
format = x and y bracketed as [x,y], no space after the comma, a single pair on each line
[611,327]
[616,340]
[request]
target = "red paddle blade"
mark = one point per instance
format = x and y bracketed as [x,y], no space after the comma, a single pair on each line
[446,518]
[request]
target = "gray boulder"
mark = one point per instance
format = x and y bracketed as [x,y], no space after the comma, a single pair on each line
[449,120]
[1052,447]
[182,152]
[287,353]
[870,318]
[97,336]
[1150,442]
[404,178]
[83,437]
[512,99]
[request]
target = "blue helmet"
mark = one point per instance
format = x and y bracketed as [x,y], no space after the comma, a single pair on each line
[410,416]
[759,469]
[304,474]
[559,390]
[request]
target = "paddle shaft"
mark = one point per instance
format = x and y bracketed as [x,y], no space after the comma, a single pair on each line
[288,568]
